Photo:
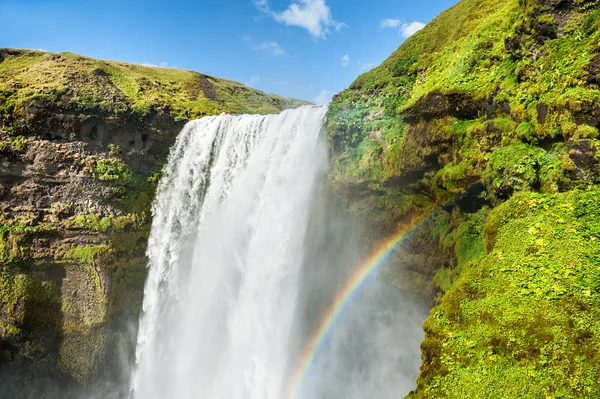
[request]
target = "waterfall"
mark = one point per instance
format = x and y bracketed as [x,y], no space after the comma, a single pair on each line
[225,253]
[229,301]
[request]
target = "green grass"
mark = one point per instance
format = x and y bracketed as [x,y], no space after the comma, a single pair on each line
[465,52]
[521,321]
[71,81]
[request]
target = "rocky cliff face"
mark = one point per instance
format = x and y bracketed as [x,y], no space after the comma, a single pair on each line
[81,146]
[485,126]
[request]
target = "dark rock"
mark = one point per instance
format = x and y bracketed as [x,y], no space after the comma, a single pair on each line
[542,113]
[457,104]
[594,70]
[583,155]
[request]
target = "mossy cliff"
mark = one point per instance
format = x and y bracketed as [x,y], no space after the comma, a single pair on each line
[485,125]
[82,142]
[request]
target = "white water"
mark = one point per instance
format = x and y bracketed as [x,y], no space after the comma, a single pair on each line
[243,263]
[225,253]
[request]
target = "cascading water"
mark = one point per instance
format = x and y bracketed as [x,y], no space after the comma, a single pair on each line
[233,255]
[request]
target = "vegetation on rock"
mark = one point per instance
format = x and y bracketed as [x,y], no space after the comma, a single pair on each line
[487,121]
[520,317]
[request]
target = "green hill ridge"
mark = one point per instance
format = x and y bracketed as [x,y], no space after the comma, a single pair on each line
[71,80]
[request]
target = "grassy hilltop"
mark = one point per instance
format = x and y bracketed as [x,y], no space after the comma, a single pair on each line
[70,80]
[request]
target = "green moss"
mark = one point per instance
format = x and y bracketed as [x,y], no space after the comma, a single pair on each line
[128,284]
[80,354]
[451,177]
[84,254]
[89,221]
[15,239]
[111,170]
[526,133]
[13,144]
[502,70]
[18,293]
[585,132]
[521,167]
[13,294]
[462,235]
[521,321]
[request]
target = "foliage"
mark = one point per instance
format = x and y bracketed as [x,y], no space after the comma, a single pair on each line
[14,144]
[521,322]
[502,96]
[504,67]
[111,170]
[521,167]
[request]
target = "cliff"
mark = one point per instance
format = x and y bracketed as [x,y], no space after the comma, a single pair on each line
[82,142]
[484,125]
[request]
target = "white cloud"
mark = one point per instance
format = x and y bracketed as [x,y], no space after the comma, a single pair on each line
[407,30]
[345,60]
[253,81]
[339,26]
[390,23]
[324,97]
[273,47]
[312,15]
[163,64]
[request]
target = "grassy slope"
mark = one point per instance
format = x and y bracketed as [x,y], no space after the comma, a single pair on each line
[69,79]
[467,51]
[501,95]
[521,315]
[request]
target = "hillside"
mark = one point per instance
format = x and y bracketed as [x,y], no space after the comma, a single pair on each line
[82,143]
[485,125]
[69,80]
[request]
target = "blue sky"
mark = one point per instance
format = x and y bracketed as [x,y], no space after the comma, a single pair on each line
[307,49]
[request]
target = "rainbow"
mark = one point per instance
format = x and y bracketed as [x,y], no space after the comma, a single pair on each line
[340,302]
